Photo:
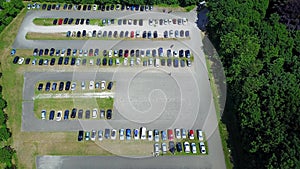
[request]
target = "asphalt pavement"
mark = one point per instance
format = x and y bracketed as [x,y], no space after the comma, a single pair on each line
[147,97]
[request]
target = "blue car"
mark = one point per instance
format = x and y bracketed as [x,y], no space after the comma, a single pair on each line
[66,115]
[128,134]
[51,116]
[13,52]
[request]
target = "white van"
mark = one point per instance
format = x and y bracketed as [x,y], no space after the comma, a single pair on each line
[143,133]
[157,62]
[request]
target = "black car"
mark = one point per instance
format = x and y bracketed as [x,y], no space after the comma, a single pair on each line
[54,21]
[89,7]
[87,114]
[69,51]
[70,21]
[44,6]
[181,53]
[132,53]
[53,6]
[41,52]
[73,114]
[80,112]
[35,51]
[52,62]
[83,33]
[182,63]
[108,114]
[163,62]
[112,7]
[77,21]
[155,34]
[179,146]
[51,116]
[61,86]
[84,62]
[80,135]
[27,61]
[49,7]
[109,34]
[79,7]
[120,53]
[46,52]
[66,115]
[122,7]
[70,6]
[16,59]
[66,62]
[73,60]
[84,7]
[52,50]
[48,84]
[87,21]
[60,60]
[169,62]
[65,6]
[81,21]
[68,84]
[54,85]
[78,34]
[40,87]
[110,85]
[66,20]
[98,62]
[104,62]
[171,147]
[110,61]
[144,34]
[41,61]
[107,8]
[175,62]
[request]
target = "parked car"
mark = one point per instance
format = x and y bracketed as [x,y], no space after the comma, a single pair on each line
[73,114]
[156,148]
[178,147]
[40,87]
[58,115]
[21,60]
[164,148]
[113,134]
[187,148]
[150,135]
[183,133]
[87,135]
[94,114]
[51,116]
[66,115]
[109,114]
[93,135]
[202,147]
[193,147]
[121,134]
[191,134]
[172,147]
[43,114]
[100,135]
[107,133]
[87,114]
[200,135]
[177,134]
[170,134]
[80,135]
[136,134]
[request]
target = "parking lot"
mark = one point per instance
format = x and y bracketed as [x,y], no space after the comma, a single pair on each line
[156,97]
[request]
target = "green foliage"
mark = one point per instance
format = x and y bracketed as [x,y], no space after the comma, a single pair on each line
[262,64]
[6,154]
[9,11]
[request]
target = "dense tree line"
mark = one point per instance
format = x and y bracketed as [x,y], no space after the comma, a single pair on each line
[182,3]
[8,11]
[6,152]
[261,59]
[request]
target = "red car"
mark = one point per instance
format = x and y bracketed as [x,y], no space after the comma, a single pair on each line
[191,134]
[132,34]
[170,134]
[126,53]
[60,21]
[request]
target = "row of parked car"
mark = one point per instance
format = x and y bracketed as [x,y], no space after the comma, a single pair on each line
[143,134]
[89,7]
[179,21]
[130,34]
[106,61]
[70,21]
[59,115]
[116,53]
[179,147]
[72,85]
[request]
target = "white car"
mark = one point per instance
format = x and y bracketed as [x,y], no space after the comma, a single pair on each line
[95,112]
[113,134]
[164,148]
[43,114]
[177,134]
[183,133]
[121,134]
[138,61]
[78,62]
[202,147]
[73,86]
[58,115]
[93,135]
[92,85]
[103,85]
[109,53]
[184,20]
[186,147]
[21,60]
[95,7]
[125,61]
[156,148]
[117,61]
[200,135]
[150,135]
[194,149]
[100,135]
[143,133]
